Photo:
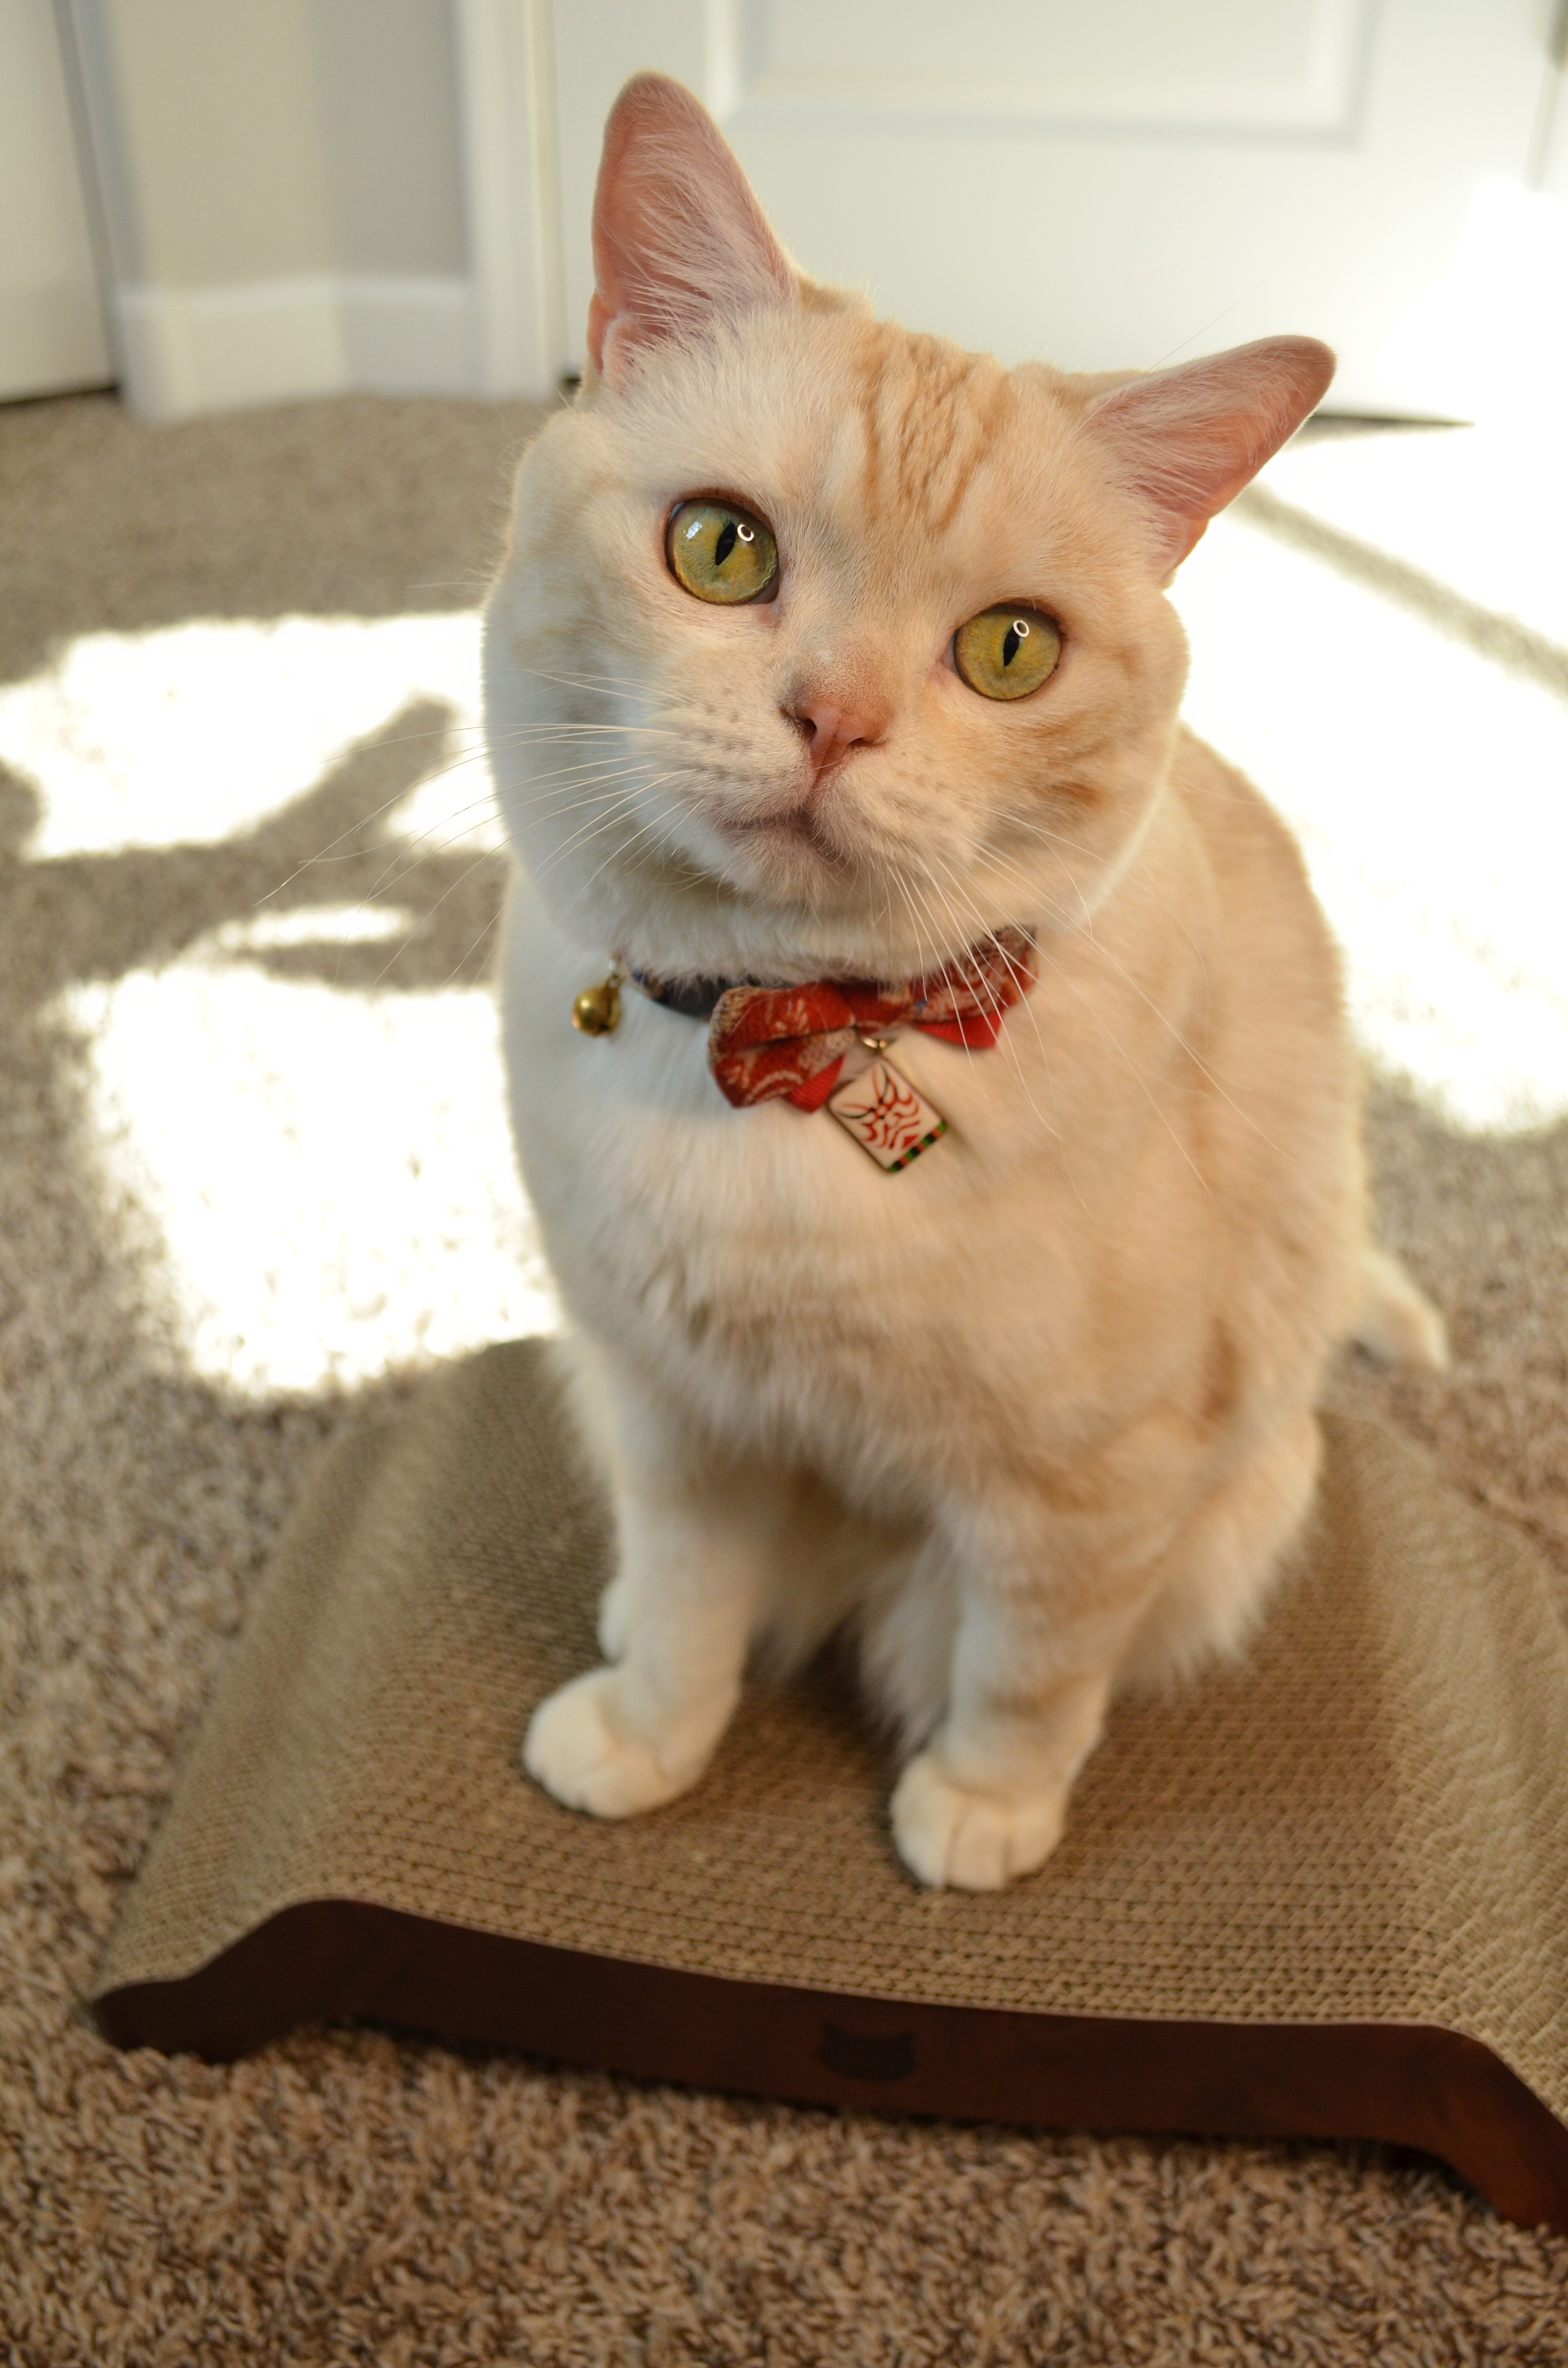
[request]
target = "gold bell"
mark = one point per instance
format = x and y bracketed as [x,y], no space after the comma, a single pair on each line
[597,1009]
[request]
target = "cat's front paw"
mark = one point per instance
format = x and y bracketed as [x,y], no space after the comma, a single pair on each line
[577,1747]
[947,1833]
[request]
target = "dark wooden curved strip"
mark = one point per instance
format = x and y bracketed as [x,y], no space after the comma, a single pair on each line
[1411,2085]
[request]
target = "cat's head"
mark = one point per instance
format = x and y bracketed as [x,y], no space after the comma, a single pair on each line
[824,642]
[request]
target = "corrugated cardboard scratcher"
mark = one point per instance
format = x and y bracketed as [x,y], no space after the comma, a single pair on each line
[1322,1893]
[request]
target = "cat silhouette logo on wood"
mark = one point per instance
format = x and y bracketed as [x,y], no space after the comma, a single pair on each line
[833,697]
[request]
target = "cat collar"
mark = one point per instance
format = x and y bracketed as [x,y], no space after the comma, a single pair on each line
[794,1043]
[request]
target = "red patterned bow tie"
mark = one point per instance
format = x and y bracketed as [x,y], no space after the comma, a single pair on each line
[764,1043]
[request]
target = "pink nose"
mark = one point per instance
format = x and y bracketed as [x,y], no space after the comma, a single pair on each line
[832,726]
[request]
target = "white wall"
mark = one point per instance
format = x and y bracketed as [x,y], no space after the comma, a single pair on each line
[51,330]
[291,188]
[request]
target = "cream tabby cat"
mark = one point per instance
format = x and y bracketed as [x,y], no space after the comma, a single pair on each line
[826,653]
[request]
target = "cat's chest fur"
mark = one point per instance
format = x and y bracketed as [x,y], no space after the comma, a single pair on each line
[761,1266]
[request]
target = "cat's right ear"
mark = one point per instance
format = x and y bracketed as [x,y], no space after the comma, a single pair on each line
[678,237]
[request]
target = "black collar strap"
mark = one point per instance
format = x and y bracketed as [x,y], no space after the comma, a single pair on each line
[694,999]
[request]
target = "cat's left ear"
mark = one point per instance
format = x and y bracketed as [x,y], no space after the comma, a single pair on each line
[1186,440]
[678,237]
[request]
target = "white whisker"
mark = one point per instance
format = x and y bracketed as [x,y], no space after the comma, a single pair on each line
[424,920]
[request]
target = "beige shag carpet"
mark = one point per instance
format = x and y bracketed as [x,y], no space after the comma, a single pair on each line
[253,1178]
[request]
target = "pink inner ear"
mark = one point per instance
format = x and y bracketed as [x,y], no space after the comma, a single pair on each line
[678,237]
[1187,440]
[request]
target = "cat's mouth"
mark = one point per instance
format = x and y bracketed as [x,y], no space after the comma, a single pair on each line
[790,848]
[797,827]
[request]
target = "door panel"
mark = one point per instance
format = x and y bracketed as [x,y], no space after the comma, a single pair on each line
[1117,185]
[1248,65]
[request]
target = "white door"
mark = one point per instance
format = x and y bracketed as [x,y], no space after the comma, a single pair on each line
[51,333]
[1107,183]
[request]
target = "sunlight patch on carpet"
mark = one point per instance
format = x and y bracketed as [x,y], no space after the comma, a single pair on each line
[190,733]
[331,1171]
[309,925]
[1428,786]
[1483,510]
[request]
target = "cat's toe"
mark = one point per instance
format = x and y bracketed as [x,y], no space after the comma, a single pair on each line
[577,1748]
[947,1834]
[615,1617]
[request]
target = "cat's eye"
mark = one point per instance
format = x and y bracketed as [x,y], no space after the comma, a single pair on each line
[720,551]
[1006,652]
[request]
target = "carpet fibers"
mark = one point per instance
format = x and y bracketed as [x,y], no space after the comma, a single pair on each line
[253,1181]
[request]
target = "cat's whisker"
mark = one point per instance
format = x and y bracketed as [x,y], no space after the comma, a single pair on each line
[599,675]
[328,854]
[938,934]
[386,887]
[604,810]
[926,961]
[412,854]
[626,684]
[999,1012]
[1003,1041]
[668,846]
[567,728]
[591,797]
[426,919]
[591,830]
[451,727]
[1155,1104]
[409,853]
[470,949]
[934,960]
[577,776]
[1103,954]
[575,797]
[626,844]
[1029,886]
[1075,846]
[625,847]
[1034,829]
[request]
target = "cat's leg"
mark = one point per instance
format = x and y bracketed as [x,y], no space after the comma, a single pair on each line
[1212,1582]
[1027,1692]
[697,1539]
[1051,1613]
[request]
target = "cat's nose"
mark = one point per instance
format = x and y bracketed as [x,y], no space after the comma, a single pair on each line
[831,727]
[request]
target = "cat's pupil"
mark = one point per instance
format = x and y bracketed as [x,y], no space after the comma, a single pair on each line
[726,543]
[1012,640]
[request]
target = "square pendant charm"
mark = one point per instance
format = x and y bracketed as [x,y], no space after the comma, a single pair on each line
[886,1116]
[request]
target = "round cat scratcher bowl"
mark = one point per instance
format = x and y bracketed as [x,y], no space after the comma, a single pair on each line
[1321,1893]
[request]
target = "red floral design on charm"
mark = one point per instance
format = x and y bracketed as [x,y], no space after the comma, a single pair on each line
[886,1116]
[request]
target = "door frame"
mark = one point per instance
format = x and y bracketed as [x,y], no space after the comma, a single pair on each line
[495,331]
[506,99]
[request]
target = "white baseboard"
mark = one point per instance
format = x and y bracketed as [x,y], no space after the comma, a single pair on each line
[409,337]
[194,349]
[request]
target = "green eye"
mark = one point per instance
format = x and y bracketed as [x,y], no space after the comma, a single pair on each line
[1006,652]
[720,552]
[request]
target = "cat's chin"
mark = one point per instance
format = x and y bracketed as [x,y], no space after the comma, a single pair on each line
[788,859]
